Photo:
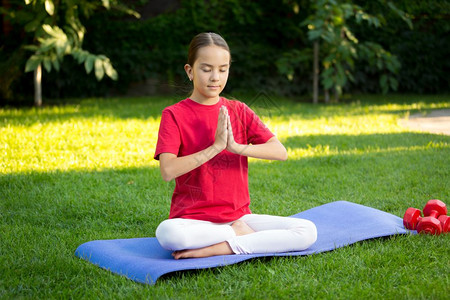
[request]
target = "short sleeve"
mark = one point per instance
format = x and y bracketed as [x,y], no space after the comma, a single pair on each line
[257,131]
[168,136]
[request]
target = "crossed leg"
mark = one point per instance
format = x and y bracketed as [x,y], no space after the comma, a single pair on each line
[252,233]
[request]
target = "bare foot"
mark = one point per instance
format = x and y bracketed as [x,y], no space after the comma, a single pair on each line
[241,228]
[217,249]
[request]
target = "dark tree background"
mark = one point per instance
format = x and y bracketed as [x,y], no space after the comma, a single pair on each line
[149,53]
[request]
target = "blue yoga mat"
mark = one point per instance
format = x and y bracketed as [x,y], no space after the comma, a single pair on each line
[338,224]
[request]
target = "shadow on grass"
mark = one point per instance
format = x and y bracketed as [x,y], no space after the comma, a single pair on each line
[364,142]
[386,171]
[94,204]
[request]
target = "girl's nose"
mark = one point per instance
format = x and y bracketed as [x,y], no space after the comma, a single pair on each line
[214,76]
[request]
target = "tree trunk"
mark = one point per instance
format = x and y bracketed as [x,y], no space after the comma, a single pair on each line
[6,24]
[316,73]
[327,96]
[38,86]
[336,96]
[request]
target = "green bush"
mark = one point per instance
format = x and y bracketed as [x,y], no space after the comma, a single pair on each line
[422,51]
[157,48]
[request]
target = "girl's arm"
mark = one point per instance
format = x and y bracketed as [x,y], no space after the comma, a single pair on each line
[172,166]
[273,149]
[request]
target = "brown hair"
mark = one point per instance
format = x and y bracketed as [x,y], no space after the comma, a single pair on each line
[203,40]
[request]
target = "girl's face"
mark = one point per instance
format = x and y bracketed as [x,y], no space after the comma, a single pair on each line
[209,73]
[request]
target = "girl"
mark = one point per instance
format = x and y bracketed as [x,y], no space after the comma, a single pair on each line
[203,144]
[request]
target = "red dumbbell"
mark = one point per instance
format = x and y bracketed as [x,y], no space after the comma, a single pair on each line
[413,221]
[437,209]
[430,223]
[445,223]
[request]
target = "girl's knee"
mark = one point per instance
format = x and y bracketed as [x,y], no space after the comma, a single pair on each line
[308,230]
[311,231]
[170,235]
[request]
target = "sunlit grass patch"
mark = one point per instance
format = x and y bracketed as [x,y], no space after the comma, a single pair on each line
[89,144]
[355,121]
[67,139]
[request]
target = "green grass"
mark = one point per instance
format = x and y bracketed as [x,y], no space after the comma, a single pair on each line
[84,171]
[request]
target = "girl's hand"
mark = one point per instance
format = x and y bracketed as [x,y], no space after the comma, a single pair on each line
[232,146]
[220,138]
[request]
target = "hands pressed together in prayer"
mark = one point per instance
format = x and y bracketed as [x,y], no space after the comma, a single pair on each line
[224,138]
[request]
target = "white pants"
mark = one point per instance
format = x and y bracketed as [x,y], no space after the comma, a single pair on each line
[272,234]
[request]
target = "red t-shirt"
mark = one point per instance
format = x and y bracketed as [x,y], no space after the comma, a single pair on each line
[216,191]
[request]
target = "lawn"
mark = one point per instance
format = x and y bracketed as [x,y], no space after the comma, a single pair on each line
[85,170]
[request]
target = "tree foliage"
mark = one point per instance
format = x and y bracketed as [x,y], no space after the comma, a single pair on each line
[362,46]
[57,31]
[422,50]
[331,24]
